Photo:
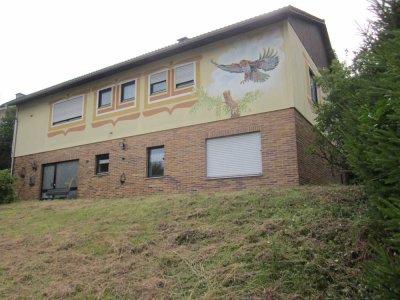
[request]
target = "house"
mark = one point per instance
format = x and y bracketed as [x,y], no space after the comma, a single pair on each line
[226,110]
[2,111]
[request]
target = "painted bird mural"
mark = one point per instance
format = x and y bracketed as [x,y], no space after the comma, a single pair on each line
[267,61]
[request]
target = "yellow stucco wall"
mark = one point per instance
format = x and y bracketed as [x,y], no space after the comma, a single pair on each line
[299,62]
[283,89]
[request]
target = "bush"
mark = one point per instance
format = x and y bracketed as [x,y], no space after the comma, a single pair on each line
[7,193]
[361,117]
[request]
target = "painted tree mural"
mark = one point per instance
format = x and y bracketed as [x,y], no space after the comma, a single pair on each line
[254,71]
[224,105]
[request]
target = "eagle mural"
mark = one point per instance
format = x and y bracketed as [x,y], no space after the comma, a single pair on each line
[267,61]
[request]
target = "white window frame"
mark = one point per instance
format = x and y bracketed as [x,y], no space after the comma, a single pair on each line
[65,100]
[194,75]
[166,79]
[103,161]
[98,97]
[136,88]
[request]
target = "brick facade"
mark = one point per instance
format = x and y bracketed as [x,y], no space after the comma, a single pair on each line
[285,135]
[312,169]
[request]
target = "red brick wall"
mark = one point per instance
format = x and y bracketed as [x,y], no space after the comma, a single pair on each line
[312,169]
[185,159]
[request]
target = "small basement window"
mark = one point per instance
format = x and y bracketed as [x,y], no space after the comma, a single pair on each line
[104,97]
[128,91]
[184,75]
[158,83]
[102,163]
[313,87]
[155,161]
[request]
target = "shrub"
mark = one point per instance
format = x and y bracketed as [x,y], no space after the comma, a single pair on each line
[7,193]
[361,117]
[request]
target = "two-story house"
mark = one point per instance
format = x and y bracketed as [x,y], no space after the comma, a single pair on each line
[226,110]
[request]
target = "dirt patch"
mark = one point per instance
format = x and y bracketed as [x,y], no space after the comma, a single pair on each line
[166,228]
[130,249]
[198,213]
[61,290]
[193,236]
[336,194]
[270,226]
[326,229]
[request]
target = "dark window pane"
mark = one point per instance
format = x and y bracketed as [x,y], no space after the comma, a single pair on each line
[105,97]
[102,163]
[103,168]
[313,87]
[48,177]
[60,175]
[128,91]
[156,162]
[66,174]
[158,87]
[185,83]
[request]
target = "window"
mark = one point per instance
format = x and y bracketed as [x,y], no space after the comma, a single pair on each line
[60,175]
[128,91]
[102,163]
[158,83]
[155,161]
[104,97]
[313,87]
[234,156]
[184,75]
[67,110]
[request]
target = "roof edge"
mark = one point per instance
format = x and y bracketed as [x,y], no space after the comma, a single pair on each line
[189,44]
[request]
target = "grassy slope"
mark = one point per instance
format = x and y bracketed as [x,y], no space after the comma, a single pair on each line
[296,243]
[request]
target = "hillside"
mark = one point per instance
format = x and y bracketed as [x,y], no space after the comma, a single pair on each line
[288,243]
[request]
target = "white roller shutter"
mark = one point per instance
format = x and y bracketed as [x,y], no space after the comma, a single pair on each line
[158,77]
[184,74]
[232,156]
[68,110]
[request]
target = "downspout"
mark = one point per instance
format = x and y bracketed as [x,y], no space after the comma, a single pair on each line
[14,140]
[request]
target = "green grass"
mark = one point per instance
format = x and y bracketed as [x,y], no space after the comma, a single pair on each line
[286,243]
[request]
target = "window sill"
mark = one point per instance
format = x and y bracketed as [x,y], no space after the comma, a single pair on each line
[234,177]
[101,174]
[104,106]
[155,177]
[158,93]
[127,101]
[66,122]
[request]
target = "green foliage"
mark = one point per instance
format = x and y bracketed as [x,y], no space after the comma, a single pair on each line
[384,273]
[6,137]
[210,103]
[361,118]
[7,194]
[334,114]
[218,105]
[248,98]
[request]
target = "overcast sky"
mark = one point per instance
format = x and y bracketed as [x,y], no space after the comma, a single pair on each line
[45,42]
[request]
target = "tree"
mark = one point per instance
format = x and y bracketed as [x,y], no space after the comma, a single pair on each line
[6,137]
[333,115]
[360,121]
[7,193]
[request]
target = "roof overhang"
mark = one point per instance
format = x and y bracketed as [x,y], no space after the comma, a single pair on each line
[188,44]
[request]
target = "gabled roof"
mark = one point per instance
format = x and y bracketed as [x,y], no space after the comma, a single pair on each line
[187,44]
